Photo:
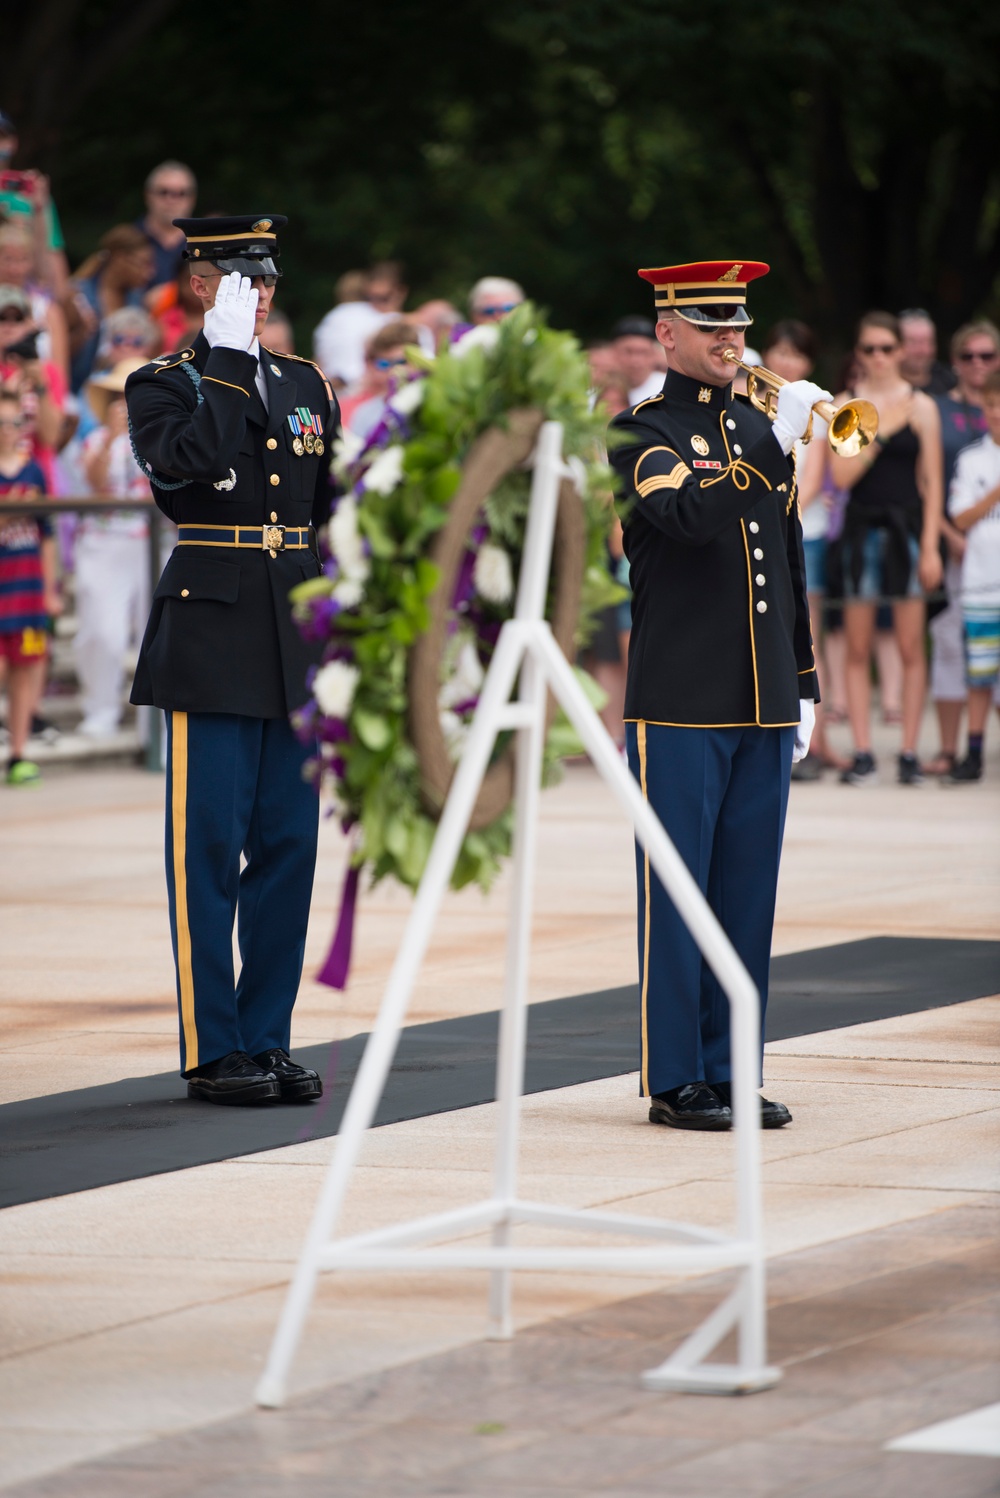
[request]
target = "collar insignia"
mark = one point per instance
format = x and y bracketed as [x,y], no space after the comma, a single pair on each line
[705,394]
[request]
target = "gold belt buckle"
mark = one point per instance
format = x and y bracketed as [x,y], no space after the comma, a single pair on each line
[273,539]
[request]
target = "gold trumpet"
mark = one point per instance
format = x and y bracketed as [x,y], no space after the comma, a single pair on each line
[850,427]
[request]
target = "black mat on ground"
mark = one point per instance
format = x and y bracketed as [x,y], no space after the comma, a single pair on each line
[72,1141]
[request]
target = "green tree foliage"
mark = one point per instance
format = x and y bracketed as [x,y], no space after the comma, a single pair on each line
[564,142]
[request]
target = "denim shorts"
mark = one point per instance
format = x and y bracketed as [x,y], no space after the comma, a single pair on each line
[815,551]
[869,586]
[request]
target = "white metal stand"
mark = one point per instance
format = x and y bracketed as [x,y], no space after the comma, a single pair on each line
[527,652]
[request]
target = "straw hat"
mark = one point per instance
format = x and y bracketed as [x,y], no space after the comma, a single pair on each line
[104,386]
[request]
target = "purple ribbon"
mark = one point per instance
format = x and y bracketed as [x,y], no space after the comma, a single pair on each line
[338,960]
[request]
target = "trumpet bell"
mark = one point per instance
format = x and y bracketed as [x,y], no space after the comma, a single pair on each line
[852,427]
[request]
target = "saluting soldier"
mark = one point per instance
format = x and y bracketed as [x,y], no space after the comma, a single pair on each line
[236,441]
[721,678]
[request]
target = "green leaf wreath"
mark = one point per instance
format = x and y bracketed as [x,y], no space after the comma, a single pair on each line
[371,602]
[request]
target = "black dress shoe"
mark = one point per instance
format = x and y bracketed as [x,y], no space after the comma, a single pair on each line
[772,1115]
[297,1083]
[234,1079]
[693,1106]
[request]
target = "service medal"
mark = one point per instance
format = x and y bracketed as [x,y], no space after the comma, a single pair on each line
[320,447]
[297,446]
[310,442]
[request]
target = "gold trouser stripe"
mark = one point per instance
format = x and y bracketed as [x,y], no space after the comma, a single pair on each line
[178,815]
[641,737]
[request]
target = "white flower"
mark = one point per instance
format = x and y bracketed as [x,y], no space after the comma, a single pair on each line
[484,337]
[345,540]
[407,398]
[350,591]
[347,447]
[492,575]
[334,686]
[386,471]
[463,673]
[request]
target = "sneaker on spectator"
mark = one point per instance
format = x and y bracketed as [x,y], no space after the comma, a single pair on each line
[23,772]
[971,768]
[862,771]
[909,771]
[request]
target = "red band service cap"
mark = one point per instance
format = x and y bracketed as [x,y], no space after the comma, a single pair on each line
[711,293]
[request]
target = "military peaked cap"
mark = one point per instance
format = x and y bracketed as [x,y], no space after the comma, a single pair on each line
[709,293]
[248,243]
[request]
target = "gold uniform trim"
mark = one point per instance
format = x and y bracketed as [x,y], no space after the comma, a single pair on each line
[183,358]
[299,359]
[649,401]
[641,739]
[178,822]
[675,479]
[646,453]
[243,237]
[227,383]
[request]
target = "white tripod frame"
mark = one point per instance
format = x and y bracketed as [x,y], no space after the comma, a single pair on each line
[526,646]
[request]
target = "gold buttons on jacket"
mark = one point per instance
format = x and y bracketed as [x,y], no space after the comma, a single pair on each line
[758,555]
[185,592]
[762,607]
[753,527]
[271,444]
[275,480]
[760,579]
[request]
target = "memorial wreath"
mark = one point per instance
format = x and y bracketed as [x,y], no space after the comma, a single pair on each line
[420,566]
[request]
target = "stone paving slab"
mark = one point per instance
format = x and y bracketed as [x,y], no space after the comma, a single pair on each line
[877,1335]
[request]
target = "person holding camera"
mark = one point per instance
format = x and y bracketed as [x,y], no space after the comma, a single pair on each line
[25,198]
[37,383]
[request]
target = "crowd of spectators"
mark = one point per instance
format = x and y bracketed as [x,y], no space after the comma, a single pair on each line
[886,534]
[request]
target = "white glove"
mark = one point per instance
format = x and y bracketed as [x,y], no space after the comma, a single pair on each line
[804,732]
[795,406]
[230,323]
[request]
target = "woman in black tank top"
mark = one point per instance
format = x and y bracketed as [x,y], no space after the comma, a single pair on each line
[889,546]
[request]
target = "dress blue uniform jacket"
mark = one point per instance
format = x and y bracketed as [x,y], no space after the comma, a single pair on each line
[220,636]
[720,621]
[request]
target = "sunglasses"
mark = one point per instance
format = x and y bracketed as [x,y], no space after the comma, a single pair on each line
[877,348]
[268,281]
[499,310]
[12,421]
[135,339]
[171,192]
[388,363]
[380,298]
[981,354]
[11,314]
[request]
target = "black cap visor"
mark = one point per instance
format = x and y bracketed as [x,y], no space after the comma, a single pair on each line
[248,265]
[715,315]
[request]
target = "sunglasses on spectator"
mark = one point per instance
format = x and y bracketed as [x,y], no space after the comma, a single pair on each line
[497,310]
[388,363]
[986,356]
[11,421]
[12,314]
[172,192]
[136,339]
[877,348]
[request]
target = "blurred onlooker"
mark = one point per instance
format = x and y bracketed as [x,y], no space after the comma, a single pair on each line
[38,383]
[280,334]
[889,545]
[387,288]
[603,366]
[16,266]
[975,355]
[385,360]
[493,298]
[920,365]
[437,318]
[112,566]
[790,351]
[178,312]
[340,337]
[171,191]
[25,197]
[113,277]
[637,355]
[975,509]
[129,333]
[29,595]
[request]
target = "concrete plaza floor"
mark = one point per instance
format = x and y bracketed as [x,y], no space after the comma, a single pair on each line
[137,1316]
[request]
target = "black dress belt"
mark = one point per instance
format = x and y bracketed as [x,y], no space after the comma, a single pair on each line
[272,538]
